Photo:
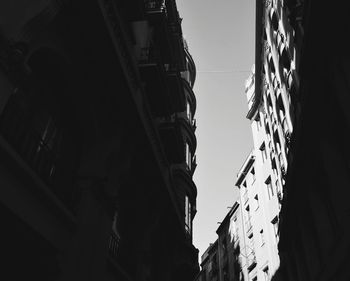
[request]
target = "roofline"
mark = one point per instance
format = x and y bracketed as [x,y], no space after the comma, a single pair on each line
[245,167]
[233,209]
[258,61]
[208,251]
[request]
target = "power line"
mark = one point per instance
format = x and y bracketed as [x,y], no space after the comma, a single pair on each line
[223,71]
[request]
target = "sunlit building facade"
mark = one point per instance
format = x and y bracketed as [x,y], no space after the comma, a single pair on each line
[271,93]
[259,207]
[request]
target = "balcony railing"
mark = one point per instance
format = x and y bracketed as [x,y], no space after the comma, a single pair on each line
[148,56]
[114,241]
[37,146]
[155,6]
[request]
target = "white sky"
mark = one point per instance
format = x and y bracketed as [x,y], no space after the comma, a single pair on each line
[220,36]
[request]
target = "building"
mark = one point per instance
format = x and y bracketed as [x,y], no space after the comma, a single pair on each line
[97,141]
[210,264]
[271,92]
[314,219]
[221,261]
[229,234]
[259,206]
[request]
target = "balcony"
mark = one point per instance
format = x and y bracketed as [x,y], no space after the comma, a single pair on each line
[251,109]
[34,141]
[289,79]
[191,67]
[194,124]
[275,83]
[280,42]
[190,97]
[35,148]
[279,196]
[164,18]
[175,132]
[113,246]
[163,84]
[285,126]
[155,7]
[176,89]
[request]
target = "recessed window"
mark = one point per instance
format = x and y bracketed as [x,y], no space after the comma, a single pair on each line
[269,187]
[252,172]
[266,273]
[248,218]
[251,244]
[256,201]
[262,238]
[263,151]
[275,227]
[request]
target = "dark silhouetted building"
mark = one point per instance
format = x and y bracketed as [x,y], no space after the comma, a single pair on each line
[222,260]
[229,242]
[210,264]
[97,141]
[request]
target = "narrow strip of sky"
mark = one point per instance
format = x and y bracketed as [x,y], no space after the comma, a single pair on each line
[220,36]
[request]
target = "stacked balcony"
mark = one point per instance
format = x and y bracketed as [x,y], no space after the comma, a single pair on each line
[164,18]
[168,73]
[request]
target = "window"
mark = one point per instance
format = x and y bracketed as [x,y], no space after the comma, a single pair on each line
[258,123]
[251,245]
[256,201]
[263,151]
[248,222]
[188,221]
[267,128]
[266,273]
[269,187]
[275,227]
[188,157]
[278,187]
[252,171]
[262,238]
